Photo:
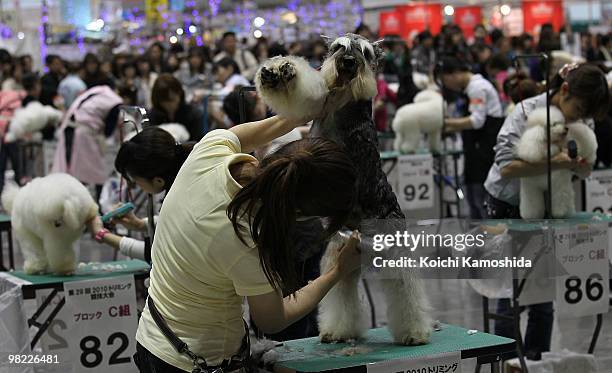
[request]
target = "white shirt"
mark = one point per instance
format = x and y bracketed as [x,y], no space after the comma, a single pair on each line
[484,101]
[246,62]
[232,82]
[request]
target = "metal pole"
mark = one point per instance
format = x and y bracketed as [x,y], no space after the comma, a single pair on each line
[544,57]
[548,213]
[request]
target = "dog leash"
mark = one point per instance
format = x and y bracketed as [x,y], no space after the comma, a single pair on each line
[238,361]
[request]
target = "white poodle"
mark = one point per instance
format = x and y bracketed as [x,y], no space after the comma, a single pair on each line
[532,148]
[48,215]
[30,119]
[424,115]
[280,75]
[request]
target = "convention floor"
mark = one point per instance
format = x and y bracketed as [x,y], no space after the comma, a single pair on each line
[453,302]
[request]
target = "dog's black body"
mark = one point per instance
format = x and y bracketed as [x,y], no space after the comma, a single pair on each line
[353,127]
[350,71]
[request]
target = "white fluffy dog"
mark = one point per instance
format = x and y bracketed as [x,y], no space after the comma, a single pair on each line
[424,115]
[532,148]
[30,119]
[48,215]
[280,75]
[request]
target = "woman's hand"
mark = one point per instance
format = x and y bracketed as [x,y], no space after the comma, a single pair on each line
[129,220]
[349,256]
[94,225]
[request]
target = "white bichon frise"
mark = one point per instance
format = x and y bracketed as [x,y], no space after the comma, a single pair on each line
[48,215]
[424,115]
[30,119]
[532,148]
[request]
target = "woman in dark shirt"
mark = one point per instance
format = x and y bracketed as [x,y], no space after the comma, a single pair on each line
[169,106]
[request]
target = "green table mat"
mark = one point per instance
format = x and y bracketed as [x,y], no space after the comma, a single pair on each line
[89,272]
[310,355]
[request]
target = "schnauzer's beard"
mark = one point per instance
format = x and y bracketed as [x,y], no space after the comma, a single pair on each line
[362,86]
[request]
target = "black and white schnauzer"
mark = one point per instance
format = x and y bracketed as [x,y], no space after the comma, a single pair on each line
[340,96]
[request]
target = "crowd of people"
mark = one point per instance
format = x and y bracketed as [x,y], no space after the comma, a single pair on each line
[197,86]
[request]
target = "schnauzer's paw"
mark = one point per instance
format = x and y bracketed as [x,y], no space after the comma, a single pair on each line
[287,71]
[336,338]
[283,72]
[417,336]
[269,78]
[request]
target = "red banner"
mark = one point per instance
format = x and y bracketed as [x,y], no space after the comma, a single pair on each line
[390,23]
[536,13]
[419,17]
[467,18]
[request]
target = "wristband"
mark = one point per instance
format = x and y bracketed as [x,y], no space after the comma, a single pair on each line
[100,234]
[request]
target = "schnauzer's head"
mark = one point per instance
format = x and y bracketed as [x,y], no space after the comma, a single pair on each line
[352,63]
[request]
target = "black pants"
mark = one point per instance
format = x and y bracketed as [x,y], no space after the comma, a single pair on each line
[540,316]
[10,152]
[149,363]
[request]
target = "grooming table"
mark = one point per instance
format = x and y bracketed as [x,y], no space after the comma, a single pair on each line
[31,283]
[517,225]
[310,355]
[5,226]
[391,157]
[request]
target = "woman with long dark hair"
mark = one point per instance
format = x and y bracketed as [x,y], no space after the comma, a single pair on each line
[225,232]
[170,106]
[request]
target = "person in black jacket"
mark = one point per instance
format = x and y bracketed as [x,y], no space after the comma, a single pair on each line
[50,81]
[169,106]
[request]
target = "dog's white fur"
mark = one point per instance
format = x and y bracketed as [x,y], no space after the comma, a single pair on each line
[532,148]
[341,312]
[362,87]
[48,215]
[308,88]
[424,115]
[30,119]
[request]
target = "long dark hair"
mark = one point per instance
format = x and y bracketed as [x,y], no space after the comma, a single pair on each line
[165,85]
[588,83]
[310,177]
[152,153]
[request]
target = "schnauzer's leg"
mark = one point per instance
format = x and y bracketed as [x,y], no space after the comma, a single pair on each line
[341,315]
[532,204]
[407,309]
[35,260]
[282,70]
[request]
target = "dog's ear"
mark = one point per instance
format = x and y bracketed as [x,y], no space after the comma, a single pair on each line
[378,51]
[328,39]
